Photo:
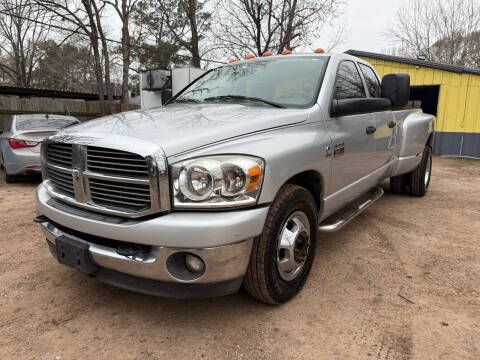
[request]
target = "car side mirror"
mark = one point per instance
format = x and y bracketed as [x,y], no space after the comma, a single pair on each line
[396,87]
[166,96]
[355,106]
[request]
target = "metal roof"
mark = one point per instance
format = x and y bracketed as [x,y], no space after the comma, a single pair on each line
[452,68]
[49,93]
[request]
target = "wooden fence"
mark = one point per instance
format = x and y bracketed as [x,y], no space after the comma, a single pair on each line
[81,109]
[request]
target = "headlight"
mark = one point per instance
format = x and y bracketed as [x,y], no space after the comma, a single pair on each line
[217,181]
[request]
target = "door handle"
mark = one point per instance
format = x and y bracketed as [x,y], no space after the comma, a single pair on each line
[392,124]
[371,129]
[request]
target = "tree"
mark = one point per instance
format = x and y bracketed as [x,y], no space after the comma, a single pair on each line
[156,46]
[66,66]
[188,23]
[414,28]
[456,24]
[439,30]
[125,10]
[300,20]
[85,18]
[96,11]
[21,30]
[272,25]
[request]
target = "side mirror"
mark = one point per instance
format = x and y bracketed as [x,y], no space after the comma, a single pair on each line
[396,87]
[166,95]
[359,106]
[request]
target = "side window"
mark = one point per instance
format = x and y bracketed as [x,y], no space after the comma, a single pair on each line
[373,85]
[348,84]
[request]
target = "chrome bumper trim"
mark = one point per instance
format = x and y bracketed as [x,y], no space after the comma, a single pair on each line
[221,263]
[177,229]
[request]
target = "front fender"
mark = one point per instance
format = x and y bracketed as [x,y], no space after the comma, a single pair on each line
[287,151]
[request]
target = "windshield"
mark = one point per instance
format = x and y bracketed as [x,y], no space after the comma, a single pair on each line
[43,122]
[288,81]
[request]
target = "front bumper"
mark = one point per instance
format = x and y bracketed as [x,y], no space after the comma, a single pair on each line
[223,240]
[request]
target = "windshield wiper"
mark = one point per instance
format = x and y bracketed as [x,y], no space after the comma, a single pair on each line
[241,97]
[185,100]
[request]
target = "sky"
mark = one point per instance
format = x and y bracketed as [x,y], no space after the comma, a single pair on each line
[366,22]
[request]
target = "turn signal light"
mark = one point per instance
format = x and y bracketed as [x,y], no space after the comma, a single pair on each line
[286,52]
[319,51]
[267,53]
[255,174]
[19,144]
[249,56]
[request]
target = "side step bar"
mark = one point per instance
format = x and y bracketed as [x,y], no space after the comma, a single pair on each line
[351,211]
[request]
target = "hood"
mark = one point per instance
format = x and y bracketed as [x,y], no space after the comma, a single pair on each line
[181,127]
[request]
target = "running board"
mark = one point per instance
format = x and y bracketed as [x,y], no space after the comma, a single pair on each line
[351,211]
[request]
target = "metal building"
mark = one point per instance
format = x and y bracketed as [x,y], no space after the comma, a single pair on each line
[451,93]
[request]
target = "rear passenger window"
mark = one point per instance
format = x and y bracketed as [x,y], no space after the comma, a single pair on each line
[373,85]
[348,84]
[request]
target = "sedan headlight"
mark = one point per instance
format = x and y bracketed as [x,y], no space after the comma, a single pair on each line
[217,181]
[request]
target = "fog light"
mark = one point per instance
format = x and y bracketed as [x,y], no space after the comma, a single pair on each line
[194,263]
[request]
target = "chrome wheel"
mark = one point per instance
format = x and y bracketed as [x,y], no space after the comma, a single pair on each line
[428,171]
[293,246]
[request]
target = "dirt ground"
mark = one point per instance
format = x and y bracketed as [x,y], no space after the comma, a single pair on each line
[402,281]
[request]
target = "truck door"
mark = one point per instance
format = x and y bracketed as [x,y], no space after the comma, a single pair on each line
[353,146]
[385,121]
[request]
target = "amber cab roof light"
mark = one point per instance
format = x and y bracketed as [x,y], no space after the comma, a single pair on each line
[249,56]
[232,61]
[267,53]
[286,52]
[319,51]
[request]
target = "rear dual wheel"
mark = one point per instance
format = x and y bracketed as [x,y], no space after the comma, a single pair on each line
[283,254]
[416,182]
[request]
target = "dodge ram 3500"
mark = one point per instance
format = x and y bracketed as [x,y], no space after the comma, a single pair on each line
[234,179]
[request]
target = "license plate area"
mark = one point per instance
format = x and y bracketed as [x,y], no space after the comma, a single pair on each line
[74,254]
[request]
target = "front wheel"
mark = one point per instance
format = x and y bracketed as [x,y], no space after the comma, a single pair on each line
[283,254]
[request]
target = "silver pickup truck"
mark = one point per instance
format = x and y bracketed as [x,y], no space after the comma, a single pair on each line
[234,179]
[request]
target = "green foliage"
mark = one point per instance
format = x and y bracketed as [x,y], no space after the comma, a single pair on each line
[65,66]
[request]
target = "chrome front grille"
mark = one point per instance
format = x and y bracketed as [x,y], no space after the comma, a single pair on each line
[110,193]
[60,154]
[103,179]
[62,181]
[116,162]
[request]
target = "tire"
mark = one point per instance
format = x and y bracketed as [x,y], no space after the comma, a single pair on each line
[267,278]
[420,178]
[400,184]
[9,179]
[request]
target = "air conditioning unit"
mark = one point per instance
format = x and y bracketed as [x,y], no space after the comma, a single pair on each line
[158,86]
[156,80]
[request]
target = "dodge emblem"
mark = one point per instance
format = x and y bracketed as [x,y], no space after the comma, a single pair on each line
[76,173]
